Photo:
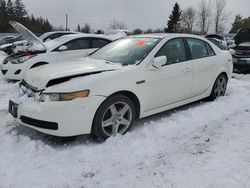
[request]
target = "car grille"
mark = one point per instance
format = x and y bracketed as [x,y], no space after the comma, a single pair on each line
[242,54]
[4,72]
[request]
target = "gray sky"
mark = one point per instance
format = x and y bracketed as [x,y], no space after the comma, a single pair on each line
[134,13]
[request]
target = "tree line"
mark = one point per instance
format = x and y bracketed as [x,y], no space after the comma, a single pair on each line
[208,16]
[16,10]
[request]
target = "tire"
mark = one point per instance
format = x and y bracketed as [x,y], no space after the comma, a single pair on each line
[116,115]
[219,88]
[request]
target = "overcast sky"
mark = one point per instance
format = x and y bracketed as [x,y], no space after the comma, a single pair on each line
[134,13]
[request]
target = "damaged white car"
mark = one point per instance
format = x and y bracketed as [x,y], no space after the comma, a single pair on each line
[127,79]
[65,48]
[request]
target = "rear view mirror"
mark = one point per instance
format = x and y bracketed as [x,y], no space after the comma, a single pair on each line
[63,48]
[159,61]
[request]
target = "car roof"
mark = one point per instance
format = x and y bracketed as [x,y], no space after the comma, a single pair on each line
[75,36]
[166,35]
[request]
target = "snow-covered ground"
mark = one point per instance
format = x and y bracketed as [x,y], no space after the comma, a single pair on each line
[202,145]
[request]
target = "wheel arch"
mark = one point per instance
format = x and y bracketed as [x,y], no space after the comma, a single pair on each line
[132,96]
[223,73]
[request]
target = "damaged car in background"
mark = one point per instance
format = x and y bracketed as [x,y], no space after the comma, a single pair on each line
[131,78]
[241,52]
[23,45]
[65,48]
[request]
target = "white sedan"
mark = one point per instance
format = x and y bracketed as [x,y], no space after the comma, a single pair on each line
[128,79]
[65,48]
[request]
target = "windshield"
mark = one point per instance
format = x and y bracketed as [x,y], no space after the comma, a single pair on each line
[128,51]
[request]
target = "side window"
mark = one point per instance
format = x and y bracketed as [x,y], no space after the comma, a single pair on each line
[174,50]
[209,49]
[99,43]
[78,44]
[198,48]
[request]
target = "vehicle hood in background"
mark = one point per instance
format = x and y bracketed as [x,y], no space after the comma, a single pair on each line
[32,39]
[242,37]
[53,74]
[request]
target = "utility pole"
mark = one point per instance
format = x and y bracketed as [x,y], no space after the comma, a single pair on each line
[67,22]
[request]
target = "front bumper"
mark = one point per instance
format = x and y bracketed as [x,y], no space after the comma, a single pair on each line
[64,118]
[241,65]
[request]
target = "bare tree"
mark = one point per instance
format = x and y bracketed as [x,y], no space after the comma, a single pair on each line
[117,25]
[220,15]
[188,19]
[204,15]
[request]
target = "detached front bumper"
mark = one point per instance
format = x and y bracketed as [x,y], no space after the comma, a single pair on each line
[64,118]
[241,65]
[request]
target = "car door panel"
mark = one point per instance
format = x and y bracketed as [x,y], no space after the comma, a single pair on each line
[204,65]
[170,83]
[167,85]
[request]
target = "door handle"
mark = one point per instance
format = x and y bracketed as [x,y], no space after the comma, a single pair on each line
[186,70]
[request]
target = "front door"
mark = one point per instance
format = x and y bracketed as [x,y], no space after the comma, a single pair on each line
[172,82]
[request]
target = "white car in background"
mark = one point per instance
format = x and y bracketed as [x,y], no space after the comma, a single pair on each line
[23,45]
[131,78]
[65,48]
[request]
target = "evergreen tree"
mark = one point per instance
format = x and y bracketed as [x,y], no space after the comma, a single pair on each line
[240,23]
[20,10]
[174,19]
[10,9]
[4,17]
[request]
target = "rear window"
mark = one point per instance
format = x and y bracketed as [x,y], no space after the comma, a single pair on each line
[199,49]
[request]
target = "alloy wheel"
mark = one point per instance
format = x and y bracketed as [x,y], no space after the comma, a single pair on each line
[117,119]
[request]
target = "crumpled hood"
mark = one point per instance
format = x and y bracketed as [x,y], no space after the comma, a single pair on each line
[242,37]
[48,75]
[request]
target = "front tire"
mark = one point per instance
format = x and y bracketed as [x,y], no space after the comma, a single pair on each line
[115,116]
[219,88]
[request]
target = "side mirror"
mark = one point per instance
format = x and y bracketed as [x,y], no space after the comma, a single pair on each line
[63,48]
[159,61]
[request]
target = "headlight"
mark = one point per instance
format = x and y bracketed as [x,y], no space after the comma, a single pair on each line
[63,96]
[232,51]
[22,59]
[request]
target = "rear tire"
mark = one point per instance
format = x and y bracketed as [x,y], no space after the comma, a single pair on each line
[219,88]
[115,116]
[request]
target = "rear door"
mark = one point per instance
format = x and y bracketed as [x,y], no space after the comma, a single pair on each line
[204,64]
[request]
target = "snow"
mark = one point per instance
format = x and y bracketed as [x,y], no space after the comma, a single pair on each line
[201,145]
